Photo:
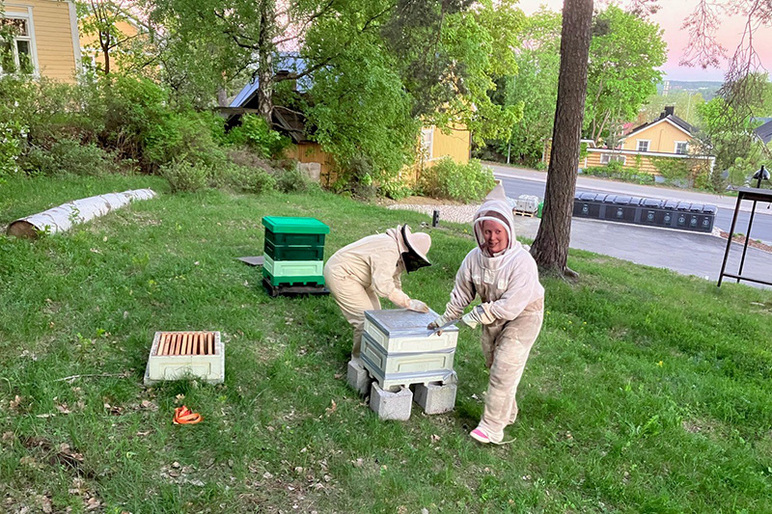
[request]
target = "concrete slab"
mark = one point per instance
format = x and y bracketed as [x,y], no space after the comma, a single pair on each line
[253,261]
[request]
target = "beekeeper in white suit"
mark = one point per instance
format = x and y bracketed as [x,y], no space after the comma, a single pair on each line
[506,278]
[358,274]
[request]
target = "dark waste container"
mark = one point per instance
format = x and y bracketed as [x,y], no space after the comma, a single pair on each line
[650,211]
[694,217]
[667,216]
[621,208]
[707,218]
[588,205]
[682,215]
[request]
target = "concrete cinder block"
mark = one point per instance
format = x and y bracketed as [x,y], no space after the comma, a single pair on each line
[357,376]
[391,405]
[436,398]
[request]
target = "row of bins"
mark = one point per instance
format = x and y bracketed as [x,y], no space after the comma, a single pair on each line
[645,211]
[294,251]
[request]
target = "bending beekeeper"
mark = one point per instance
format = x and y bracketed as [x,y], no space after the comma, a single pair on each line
[506,278]
[358,274]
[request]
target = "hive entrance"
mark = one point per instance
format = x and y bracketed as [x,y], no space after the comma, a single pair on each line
[186,343]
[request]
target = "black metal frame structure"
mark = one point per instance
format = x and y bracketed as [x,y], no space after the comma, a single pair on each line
[756,195]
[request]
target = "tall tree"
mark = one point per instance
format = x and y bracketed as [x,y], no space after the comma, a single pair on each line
[209,43]
[534,87]
[112,27]
[419,61]
[550,248]
[625,52]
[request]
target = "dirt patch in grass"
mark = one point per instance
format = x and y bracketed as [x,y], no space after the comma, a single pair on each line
[752,243]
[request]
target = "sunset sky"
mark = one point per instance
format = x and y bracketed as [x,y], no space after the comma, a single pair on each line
[670,17]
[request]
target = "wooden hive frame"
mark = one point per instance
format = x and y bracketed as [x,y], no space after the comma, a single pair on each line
[177,355]
[186,343]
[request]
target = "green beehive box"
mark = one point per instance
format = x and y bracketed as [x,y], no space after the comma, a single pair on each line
[289,269]
[294,239]
[308,280]
[293,253]
[294,225]
[541,208]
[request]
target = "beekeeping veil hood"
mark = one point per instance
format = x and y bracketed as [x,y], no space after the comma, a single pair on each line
[495,207]
[414,248]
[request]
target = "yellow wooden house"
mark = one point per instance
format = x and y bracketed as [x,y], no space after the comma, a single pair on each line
[667,137]
[45,39]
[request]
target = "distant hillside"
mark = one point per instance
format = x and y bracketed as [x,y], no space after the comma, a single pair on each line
[707,88]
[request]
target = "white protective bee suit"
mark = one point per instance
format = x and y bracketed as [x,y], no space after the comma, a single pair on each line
[511,311]
[359,273]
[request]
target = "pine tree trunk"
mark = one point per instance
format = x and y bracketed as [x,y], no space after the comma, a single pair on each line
[550,248]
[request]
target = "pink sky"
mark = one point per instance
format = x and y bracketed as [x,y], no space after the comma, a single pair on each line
[670,17]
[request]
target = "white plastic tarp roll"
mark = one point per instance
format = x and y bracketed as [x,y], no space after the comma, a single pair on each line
[63,217]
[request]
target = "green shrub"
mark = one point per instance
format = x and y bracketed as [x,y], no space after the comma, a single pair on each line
[186,177]
[249,179]
[293,180]
[255,133]
[67,156]
[186,135]
[11,136]
[672,169]
[615,170]
[462,182]
[395,189]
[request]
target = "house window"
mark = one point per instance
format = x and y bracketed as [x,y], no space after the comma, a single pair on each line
[16,45]
[643,145]
[681,147]
[606,158]
[427,137]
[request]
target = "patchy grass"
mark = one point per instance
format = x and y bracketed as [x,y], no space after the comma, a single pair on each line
[646,391]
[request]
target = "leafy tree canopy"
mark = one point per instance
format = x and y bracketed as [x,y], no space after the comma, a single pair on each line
[624,54]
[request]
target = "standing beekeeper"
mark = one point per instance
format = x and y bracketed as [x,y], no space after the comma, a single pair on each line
[506,278]
[361,272]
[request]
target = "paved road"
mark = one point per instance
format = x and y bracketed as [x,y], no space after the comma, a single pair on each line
[518,181]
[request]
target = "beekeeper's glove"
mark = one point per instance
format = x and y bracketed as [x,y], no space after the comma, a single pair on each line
[440,322]
[473,317]
[418,306]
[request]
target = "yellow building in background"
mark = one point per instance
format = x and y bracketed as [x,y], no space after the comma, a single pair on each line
[45,41]
[667,137]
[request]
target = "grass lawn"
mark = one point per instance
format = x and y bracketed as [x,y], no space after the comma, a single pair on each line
[646,391]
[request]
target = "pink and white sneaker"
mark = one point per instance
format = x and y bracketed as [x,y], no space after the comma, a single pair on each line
[481,435]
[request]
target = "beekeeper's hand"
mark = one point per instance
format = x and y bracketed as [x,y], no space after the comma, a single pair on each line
[418,306]
[472,318]
[441,321]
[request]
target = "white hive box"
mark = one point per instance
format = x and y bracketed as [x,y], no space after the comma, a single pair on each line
[398,349]
[177,355]
[527,203]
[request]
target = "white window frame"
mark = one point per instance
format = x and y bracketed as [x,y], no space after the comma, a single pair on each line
[686,147]
[427,142]
[30,38]
[605,158]
[638,145]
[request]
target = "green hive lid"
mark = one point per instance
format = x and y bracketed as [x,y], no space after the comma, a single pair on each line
[294,225]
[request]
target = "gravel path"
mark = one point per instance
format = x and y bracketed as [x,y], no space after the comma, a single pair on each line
[454,213]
